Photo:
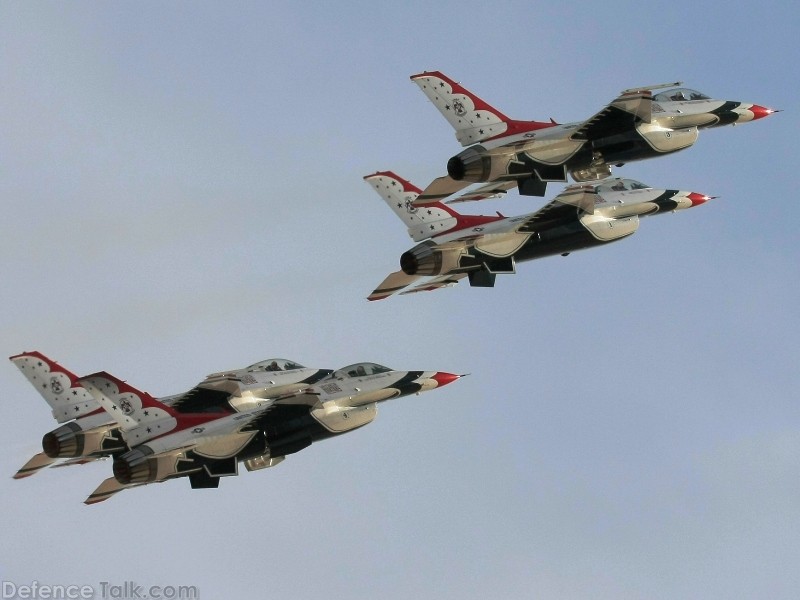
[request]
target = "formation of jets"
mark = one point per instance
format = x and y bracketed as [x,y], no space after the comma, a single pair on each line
[257,416]
[260,414]
[503,153]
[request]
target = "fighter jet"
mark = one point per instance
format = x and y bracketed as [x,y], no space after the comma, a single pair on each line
[453,246]
[88,433]
[505,153]
[161,442]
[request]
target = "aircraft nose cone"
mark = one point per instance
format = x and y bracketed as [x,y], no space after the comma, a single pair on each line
[760,112]
[442,378]
[697,199]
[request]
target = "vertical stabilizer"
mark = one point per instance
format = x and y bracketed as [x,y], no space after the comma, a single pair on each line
[58,386]
[473,119]
[422,221]
[140,416]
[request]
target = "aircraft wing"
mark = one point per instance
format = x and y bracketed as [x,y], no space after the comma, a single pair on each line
[496,189]
[201,398]
[225,428]
[623,113]
[569,205]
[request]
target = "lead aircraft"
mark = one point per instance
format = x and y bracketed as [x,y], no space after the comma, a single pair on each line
[256,415]
[453,246]
[507,153]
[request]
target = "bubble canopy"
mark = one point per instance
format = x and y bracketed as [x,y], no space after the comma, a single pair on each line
[621,185]
[680,95]
[360,370]
[275,364]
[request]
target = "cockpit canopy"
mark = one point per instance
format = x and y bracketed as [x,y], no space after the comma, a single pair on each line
[274,364]
[620,185]
[680,95]
[360,370]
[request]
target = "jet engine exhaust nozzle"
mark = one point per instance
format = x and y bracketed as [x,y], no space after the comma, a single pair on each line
[63,442]
[473,164]
[421,260]
[134,467]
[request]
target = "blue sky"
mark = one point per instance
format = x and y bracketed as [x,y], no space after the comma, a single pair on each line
[182,194]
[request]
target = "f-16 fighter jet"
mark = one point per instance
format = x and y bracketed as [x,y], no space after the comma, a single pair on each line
[453,246]
[88,433]
[161,442]
[508,153]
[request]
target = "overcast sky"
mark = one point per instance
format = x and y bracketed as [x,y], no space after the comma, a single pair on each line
[182,192]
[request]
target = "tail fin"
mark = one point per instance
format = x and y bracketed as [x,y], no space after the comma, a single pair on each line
[140,416]
[473,119]
[422,221]
[58,386]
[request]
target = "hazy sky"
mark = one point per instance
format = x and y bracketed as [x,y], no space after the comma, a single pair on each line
[182,191]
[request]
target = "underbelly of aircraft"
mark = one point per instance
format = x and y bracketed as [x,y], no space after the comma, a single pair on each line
[628,148]
[567,238]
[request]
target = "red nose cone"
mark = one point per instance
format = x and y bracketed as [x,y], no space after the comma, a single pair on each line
[445,378]
[760,111]
[698,198]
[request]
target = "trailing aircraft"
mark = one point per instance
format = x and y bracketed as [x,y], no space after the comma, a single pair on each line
[452,246]
[88,433]
[256,416]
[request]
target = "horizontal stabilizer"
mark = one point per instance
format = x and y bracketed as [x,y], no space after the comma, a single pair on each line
[105,490]
[436,283]
[441,188]
[496,189]
[34,465]
[392,284]
[81,460]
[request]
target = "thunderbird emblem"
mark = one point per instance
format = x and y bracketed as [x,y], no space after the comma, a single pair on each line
[459,108]
[55,385]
